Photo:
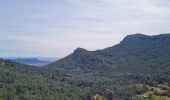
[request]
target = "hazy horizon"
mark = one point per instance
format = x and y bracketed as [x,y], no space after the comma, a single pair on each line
[56,28]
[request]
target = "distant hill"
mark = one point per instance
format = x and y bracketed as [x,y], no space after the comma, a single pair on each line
[37,61]
[33,61]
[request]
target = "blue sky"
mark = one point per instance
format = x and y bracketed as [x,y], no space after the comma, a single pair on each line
[57,27]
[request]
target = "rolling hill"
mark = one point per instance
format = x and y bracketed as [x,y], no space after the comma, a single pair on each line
[36,61]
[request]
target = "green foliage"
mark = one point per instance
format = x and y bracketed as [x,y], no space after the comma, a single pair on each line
[21,82]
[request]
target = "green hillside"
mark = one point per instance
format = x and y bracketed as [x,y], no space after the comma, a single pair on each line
[137,59]
[121,72]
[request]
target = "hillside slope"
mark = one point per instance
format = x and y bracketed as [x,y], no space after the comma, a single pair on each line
[138,59]
[136,54]
[24,82]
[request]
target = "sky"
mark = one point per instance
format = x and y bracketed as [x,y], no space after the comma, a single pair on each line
[55,28]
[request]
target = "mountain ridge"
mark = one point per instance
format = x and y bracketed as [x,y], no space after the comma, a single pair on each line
[122,71]
[141,37]
[133,39]
[137,59]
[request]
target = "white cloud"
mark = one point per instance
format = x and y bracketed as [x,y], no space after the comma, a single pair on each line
[56,28]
